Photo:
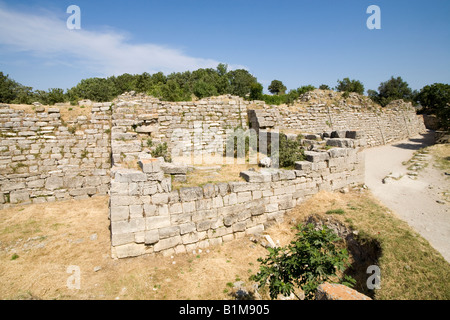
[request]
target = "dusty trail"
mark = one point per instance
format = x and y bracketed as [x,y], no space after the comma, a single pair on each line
[419,202]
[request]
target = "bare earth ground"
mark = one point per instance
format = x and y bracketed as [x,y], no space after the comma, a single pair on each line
[421,202]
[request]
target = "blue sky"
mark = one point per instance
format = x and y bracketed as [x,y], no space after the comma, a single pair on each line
[298,42]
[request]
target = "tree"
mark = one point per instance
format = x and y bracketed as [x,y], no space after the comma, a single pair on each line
[435,99]
[55,95]
[347,85]
[277,87]
[240,82]
[95,89]
[256,91]
[324,87]
[393,89]
[204,89]
[8,88]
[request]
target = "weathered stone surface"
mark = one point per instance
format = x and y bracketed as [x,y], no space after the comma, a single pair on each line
[338,134]
[191,193]
[253,176]
[342,143]
[151,237]
[265,162]
[355,134]
[334,291]
[303,165]
[175,169]
[129,175]
[313,156]
[167,243]
[149,165]
[53,183]
[129,250]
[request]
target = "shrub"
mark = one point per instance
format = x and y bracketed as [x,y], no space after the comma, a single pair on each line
[308,261]
[162,150]
[289,151]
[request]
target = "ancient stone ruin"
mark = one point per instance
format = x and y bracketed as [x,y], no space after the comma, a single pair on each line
[44,158]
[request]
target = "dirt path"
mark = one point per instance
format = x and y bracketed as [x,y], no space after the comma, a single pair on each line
[417,201]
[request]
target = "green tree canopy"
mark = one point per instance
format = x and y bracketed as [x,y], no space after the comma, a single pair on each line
[435,99]
[347,85]
[393,89]
[277,87]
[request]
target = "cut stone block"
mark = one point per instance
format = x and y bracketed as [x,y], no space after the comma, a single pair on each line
[314,156]
[253,176]
[149,165]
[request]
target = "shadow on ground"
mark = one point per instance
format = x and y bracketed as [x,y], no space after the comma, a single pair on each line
[426,139]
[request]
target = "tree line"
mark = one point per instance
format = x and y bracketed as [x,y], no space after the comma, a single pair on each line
[201,83]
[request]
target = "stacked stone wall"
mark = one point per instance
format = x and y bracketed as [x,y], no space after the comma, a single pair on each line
[43,158]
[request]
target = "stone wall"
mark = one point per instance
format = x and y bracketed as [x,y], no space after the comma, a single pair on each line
[195,127]
[394,122]
[43,158]
[147,216]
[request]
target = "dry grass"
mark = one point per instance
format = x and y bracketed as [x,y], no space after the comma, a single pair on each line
[68,112]
[207,171]
[441,154]
[410,268]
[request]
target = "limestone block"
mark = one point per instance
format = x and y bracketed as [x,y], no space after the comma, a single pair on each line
[16,197]
[136,211]
[191,193]
[129,175]
[355,134]
[190,237]
[187,228]
[120,200]
[160,198]
[244,196]
[255,229]
[168,232]
[189,207]
[149,209]
[337,152]
[170,168]
[128,250]
[209,190]
[120,239]
[119,213]
[338,134]
[149,165]
[175,208]
[53,183]
[342,143]
[314,156]
[303,165]
[253,176]
[36,183]
[157,222]
[167,243]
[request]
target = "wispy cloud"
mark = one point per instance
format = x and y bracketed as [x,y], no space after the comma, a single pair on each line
[105,52]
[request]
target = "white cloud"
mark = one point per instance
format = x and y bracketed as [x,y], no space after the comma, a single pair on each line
[105,52]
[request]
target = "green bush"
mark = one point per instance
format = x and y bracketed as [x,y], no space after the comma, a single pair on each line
[308,261]
[162,150]
[289,151]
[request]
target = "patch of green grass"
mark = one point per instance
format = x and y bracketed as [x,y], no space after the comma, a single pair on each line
[410,267]
[335,211]
[14,256]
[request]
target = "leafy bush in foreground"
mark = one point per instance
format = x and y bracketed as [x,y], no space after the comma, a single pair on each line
[308,261]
